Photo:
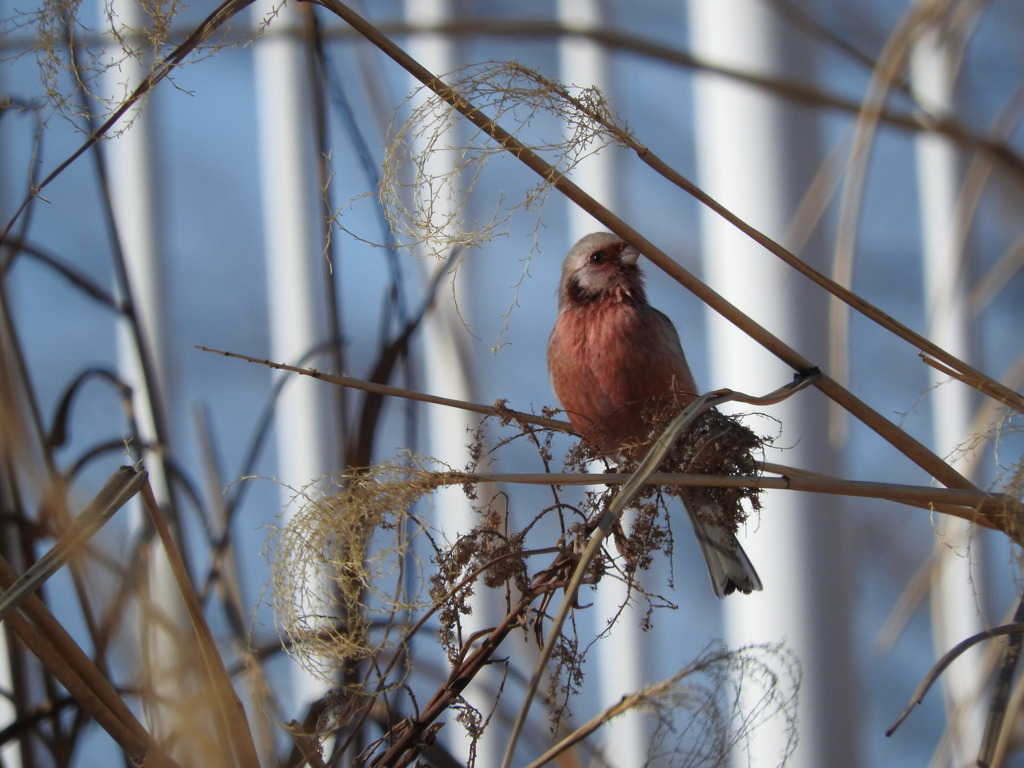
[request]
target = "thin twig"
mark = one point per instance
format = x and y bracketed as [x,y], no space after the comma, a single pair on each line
[408,740]
[224,12]
[948,658]
[409,394]
[623,41]
[982,383]
[625,704]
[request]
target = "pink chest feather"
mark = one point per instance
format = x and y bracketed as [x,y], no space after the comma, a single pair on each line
[610,362]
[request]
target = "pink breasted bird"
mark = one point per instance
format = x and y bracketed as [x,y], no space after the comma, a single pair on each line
[618,368]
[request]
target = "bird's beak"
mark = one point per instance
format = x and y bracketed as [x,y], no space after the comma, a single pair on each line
[630,255]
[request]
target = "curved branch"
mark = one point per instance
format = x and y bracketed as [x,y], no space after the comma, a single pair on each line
[948,658]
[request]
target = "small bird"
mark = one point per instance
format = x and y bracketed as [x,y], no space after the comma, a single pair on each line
[619,371]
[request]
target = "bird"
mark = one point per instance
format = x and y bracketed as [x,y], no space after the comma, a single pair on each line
[619,371]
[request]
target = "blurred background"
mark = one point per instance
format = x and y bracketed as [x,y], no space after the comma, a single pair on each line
[290,193]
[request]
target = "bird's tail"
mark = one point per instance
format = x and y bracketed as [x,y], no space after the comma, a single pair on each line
[728,565]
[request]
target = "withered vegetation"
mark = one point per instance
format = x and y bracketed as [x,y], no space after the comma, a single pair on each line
[345,559]
[372,594]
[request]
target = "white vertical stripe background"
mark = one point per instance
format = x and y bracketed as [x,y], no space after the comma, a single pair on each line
[752,157]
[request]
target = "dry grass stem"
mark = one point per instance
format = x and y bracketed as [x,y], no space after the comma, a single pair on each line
[121,487]
[230,714]
[409,394]
[44,635]
[161,70]
[948,658]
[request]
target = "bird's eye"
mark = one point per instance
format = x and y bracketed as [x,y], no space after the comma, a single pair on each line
[598,257]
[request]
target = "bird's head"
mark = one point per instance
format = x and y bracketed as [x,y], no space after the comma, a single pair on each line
[600,266]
